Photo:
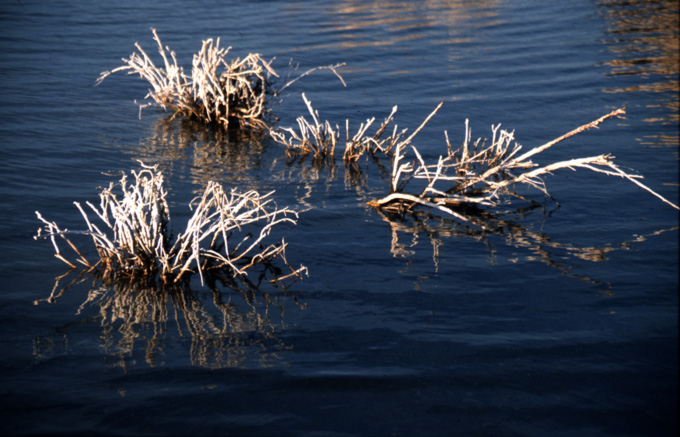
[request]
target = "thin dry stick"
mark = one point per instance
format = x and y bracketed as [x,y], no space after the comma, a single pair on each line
[398,169]
[495,164]
[422,125]
[521,161]
[532,152]
[333,68]
[639,184]
[414,199]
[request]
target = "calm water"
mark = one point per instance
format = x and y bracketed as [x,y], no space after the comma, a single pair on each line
[564,324]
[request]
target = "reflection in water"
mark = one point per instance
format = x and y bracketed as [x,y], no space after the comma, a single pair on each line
[355,22]
[308,171]
[136,316]
[540,247]
[214,153]
[312,172]
[644,42]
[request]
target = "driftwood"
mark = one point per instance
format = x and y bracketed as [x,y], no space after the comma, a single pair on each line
[225,234]
[481,175]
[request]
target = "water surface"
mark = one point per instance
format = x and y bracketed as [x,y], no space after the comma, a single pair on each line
[564,323]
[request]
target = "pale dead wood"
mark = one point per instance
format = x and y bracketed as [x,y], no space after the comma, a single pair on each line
[321,139]
[221,91]
[217,91]
[315,138]
[484,175]
[135,241]
[333,68]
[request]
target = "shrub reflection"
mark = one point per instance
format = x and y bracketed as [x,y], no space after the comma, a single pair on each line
[238,329]
[213,154]
[514,227]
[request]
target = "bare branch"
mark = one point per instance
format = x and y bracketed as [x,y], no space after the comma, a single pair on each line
[483,175]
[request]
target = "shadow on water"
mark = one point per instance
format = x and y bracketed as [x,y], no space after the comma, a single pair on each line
[239,329]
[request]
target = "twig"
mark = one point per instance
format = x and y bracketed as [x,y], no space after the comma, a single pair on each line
[333,68]
[576,131]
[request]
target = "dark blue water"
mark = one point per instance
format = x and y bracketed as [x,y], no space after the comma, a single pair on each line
[566,323]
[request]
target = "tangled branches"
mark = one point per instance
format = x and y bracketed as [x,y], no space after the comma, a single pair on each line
[476,174]
[320,139]
[227,93]
[136,241]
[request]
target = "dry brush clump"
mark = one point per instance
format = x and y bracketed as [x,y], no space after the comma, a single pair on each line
[320,139]
[473,175]
[480,174]
[225,92]
[132,235]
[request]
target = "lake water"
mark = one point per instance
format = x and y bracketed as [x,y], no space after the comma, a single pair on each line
[565,323]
